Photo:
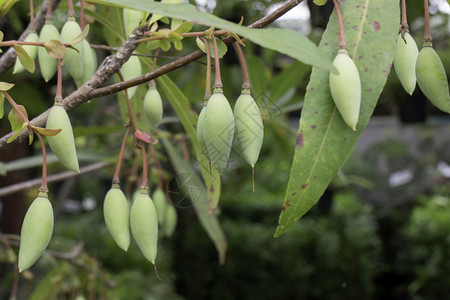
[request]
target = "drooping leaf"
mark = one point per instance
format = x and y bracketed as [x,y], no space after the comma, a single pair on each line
[5,86]
[55,49]
[14,118]
[194,188]
[221,47]
[25,59]
[46,131]
[284,41]
[79,38]
[324,141]
[17,134]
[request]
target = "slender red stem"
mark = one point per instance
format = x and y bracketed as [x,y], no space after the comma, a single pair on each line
[116,177]
[82,25]
[127,98]
[246,83]
[43,187]
[144,178]
[218,79]
[31,15]
[71,11]
[208,71]
[59,81]
[16,108]
[342,42]
[427,35]
[49,14]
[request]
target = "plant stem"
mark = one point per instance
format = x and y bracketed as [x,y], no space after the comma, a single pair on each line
[43,187]
[49,15]
[116,177]
[246,83]
[59,81]
[31,14]
[427,35]
[144,178]
[208,71]
[217,79]
[71,11]
[404,24]
[16,108]
[342,42]
[82,25]
[127,98]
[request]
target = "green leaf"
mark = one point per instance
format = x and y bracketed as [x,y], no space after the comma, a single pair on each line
[46,131]
[320,2]
[324,141]
[194,188]
[55,49]
[25,59]
[259,77]
[5,8]
[184,27]
[5,86]
[79,38]
[1,36]
[188,119]
[2,107]
[14,118]
[284,41]
[17,134]
[221,47]
[289,78]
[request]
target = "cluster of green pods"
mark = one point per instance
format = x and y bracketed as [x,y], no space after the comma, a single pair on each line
[31,51]
[345,87]
[62,144]
[36,232]
[153,107]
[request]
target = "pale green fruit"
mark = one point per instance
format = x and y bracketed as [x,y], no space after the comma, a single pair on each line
[248,128]
[62,144]
[36,232]
[200,131]
[131,19]
[405,62]
[171,220]
[48,65]
[153,107]
[345,88]
[159,199]
[90,62]
[73,60]
[131,69]
[218,130]
[432,79]
[31,50]
[116,211]
[144,225]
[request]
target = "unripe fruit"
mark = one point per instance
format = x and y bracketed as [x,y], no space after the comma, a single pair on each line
[432,79]
[171,220]
[248,128]
[153,107]
[200,131]
[73,60]
[90,61]
[405,62]
[116,211]
[144,225]
[345,88]
[159,199]
[31,50]
[218,130]
[131,69]
[62,144]
[36,232]
[48,65]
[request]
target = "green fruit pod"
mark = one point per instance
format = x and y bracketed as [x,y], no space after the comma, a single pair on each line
[218,130]
[200,131]
[48,65]
[74,59]
[345,88]
[36,232]
[90,62]
[131,69]
[171,220]
[144,225]
[31,50]
[153,107]
[405,62]
[159,199]
[62,144]
[131,19]
[248,128]
[432,79]
[116,211]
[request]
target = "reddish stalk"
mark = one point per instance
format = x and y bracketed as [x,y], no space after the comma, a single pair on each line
[342,42]
[427,35]
[82,15]
[144,178]
[43,187]
[218,79]
[246,83]
[49,14]
[116,177]
[31,15]
[59,81]
[127,98]
[70,11]
[208,71]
